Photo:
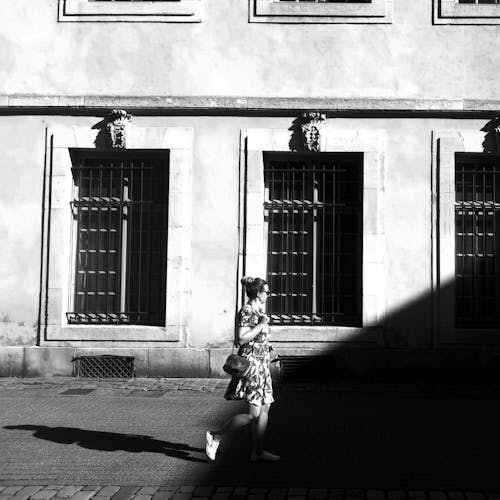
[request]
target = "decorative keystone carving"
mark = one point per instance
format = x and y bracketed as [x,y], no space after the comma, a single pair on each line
[311,124]
[116,125]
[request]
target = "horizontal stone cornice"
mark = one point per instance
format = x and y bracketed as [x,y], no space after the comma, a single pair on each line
[160,103]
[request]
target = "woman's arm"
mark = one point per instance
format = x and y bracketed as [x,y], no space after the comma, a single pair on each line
[247,333]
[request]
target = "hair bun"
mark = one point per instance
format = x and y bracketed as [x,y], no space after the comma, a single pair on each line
[247,281]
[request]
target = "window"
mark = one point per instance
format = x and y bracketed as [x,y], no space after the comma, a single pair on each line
[314,217]
[466,273]
[477,219]
[120,213]
[314,225]
[321,11]
[183,11]
[120,278]
[466,11]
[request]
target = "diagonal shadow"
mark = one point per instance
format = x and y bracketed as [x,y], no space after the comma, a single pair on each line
[110,441]
[409,417]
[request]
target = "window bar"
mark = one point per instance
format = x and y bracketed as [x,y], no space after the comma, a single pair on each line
[464,235]
[98,245]
[270,242]
[293,247]
[314,245]
[111,270]
[482,280]
[89,242]
[124,195]
[321,305]
[495,242]
[139,270]
[282,255]
[335,241]
[474,242]
[149,229]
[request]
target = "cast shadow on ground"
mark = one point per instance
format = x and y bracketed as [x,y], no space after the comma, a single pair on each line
[420,416]
[111,441]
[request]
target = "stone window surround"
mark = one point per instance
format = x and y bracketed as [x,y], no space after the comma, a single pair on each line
[180,11]
[59,248]
[372,143]
[446,143]
[452,12]
[275,11]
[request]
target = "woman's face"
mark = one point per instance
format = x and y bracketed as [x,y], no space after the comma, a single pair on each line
[263,294]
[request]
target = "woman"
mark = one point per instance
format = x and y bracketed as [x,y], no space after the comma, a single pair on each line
[256,388]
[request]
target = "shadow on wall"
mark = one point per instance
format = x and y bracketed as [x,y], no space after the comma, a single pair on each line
[384,352]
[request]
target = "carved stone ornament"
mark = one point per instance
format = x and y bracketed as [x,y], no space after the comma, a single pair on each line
[311,124]
[497,136]
[116,125]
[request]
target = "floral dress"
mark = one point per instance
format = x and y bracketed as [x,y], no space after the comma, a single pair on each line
[256,387]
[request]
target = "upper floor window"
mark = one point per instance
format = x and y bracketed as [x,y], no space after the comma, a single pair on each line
[467,11]
[321,11]
[182,11]
[313,212]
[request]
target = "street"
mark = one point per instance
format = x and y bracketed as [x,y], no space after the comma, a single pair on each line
[121,435]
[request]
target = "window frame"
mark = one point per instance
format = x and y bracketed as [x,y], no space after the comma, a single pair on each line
[446,144]
[166,11]
[275,11]
[57,270]
[452,12]
[253,245]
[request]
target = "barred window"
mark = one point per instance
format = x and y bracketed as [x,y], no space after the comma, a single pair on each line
[466,12]
[477,219]
[182,11]
[314,216]
[120,214]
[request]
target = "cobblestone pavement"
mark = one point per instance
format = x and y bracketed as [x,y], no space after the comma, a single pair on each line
[227,493]
[143,439]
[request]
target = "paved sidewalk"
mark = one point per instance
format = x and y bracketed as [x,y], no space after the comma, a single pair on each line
[144,438]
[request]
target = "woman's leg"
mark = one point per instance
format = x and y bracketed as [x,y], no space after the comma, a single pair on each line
[259,429]
[238,421]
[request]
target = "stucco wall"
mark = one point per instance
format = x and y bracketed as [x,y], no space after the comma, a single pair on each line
[226,55]
[408,203]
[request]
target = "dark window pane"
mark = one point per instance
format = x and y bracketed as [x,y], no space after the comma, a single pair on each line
[120,210]
[476,223]
[314,217]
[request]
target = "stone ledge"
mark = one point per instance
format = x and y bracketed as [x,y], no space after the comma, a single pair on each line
[247,103]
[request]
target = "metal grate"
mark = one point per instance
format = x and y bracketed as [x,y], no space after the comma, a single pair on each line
[477,219]
[105,366]
[314,217]
[120,213]
[319,368]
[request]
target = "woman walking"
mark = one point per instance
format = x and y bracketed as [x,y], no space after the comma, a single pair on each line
[256,387]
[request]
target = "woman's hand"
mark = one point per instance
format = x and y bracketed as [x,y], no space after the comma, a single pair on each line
[264,319]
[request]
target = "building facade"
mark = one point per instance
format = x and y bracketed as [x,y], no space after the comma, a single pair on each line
[154,153]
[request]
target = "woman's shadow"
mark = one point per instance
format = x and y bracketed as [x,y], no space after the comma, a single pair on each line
[110,441]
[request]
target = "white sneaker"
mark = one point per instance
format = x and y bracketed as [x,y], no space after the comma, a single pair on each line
[211,446]
[265,456]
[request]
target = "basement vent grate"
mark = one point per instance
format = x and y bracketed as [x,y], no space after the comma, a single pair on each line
[305,368]
[104,366]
